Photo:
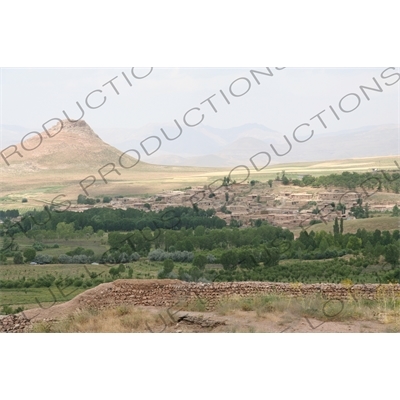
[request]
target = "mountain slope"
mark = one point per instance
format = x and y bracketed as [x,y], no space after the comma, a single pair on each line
[72,146]
[57,164]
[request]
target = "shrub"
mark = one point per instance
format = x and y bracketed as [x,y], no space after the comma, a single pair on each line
[123,258]
[211,259]
[113,272]
[168,266]
[29,254]
[78,282]
[134,257]
[80,259]
[38,246]
[18,258]
[121,268]
[177,256]
[43,259]
[64,259]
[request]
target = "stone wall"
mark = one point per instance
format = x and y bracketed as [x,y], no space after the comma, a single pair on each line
[166,293]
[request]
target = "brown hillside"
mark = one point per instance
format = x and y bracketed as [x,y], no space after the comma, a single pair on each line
[58,163]
[75,146]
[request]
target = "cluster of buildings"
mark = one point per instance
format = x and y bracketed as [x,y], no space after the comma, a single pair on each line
[247,204]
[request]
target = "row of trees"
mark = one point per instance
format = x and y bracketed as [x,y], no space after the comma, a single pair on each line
[109,220]
[390,181]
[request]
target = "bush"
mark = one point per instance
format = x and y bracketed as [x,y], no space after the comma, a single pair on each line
[123,258]
[134,257]
[38,246]
[43,259]
[80,259]
[113,272]
[177,256]
[121,268]
[18,258]
[168,266]
[64,259]
[78,282]
[29,254]
[211,259]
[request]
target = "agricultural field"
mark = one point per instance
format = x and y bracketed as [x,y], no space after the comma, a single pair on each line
[151,179]
[63,289]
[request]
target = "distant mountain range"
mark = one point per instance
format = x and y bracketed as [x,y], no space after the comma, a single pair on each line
[205,146]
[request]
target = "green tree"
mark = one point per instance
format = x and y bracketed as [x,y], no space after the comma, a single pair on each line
[199,230]
[64,230]
[354,243]
[336,228]
[87,231]
[18,258]
[246,259]
[392,254]
[396,211]
[229,260]
[341,226]
[323,245]
[270,182]
[29,254]
[81,199]
[200,261]
[269,257]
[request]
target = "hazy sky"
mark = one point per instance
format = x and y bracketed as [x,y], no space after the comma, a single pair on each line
[290,97]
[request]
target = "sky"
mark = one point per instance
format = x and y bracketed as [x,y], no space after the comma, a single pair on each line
[292,96]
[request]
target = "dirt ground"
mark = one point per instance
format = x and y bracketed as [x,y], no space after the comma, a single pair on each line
[249,322]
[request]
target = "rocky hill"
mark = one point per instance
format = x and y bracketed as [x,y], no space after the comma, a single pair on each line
[70,146]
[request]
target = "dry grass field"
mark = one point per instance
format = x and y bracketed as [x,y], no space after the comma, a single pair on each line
[45,184]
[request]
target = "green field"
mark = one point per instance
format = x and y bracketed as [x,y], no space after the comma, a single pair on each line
[31,297]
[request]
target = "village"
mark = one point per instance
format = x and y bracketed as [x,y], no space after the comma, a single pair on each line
[247,203]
